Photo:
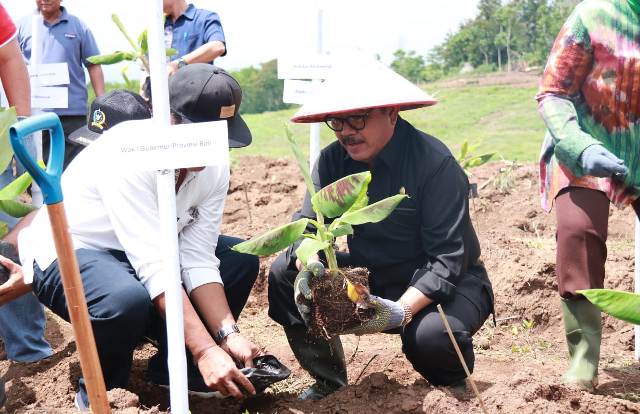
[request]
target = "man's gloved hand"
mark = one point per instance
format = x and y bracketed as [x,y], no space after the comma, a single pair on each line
[388,315]
[302,290]
[598,161]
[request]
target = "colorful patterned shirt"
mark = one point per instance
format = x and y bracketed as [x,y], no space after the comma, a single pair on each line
[590,94]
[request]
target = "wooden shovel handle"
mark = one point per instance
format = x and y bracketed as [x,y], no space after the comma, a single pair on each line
[78,312]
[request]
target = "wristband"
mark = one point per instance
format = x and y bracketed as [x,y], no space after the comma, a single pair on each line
[226,331]
[408,314]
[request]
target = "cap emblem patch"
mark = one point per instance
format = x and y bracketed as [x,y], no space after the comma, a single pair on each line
[98,119]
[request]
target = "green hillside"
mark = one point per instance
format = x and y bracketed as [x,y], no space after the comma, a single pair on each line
[503,117]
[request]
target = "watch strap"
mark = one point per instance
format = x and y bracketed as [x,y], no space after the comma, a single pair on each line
[181,63]
[225,331]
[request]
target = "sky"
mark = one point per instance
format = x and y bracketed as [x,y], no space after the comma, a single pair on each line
[257,31]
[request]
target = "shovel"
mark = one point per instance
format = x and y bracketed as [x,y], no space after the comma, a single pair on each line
[49,182]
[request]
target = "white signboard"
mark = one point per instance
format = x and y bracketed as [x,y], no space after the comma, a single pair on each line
[304,67]
[297,91]
[177,146]
[49,74]
[50,97]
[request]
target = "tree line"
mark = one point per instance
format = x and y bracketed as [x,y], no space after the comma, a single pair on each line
[516,34]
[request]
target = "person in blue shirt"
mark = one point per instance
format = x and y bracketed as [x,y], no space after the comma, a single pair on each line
[195,33]
[65,38]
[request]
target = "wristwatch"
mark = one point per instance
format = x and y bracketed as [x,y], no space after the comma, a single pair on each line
[226,331]
[181,63]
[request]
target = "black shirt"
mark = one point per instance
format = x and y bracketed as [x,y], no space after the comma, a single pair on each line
[428,241]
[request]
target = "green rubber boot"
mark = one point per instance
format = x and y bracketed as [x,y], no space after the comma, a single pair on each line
[583,329]
[323,359]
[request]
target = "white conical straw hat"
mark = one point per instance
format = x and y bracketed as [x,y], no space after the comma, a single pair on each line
[353,87]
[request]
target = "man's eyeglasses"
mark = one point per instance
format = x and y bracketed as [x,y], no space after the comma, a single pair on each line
[356,122]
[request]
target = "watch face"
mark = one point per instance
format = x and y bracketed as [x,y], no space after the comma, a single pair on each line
[181,63]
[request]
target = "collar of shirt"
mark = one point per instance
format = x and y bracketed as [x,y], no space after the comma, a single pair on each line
[391,152]
[189,13]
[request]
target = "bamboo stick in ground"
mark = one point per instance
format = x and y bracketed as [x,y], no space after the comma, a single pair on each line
[464,364]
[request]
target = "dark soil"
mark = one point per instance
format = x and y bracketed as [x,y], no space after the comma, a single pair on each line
[332,310]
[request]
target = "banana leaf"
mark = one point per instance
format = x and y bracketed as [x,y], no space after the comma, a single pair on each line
[8,195]
[118,23]
[142,41]
[308,248]
[7,118]
[300,159]
[274,240]
[111,58]
[341,230]
[477,160]
[373,213]
[338,197]
[619,304]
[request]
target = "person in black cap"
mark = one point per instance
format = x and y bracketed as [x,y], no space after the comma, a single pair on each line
[114,221]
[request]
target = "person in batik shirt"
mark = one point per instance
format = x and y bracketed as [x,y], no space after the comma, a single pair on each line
[589,98]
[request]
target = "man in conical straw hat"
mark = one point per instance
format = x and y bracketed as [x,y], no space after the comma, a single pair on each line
[425,253]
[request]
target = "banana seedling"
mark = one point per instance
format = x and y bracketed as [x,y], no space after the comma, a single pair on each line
[345,202]
[140,52]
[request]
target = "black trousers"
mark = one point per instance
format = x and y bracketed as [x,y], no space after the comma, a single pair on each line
[425,341]
[69,124]
[120,309]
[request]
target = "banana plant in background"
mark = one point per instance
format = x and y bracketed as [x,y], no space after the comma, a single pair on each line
[140,52]
[467,159]
[619,304]
[345,201]
[9,202]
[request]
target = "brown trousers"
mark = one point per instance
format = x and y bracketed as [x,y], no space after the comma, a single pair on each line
[582,226]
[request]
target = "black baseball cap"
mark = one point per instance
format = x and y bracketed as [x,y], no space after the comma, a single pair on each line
[108,110]
[201,92]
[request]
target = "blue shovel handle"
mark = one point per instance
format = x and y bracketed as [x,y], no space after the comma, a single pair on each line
[48,180]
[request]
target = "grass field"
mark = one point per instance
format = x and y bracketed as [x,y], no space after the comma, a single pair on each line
[502,117]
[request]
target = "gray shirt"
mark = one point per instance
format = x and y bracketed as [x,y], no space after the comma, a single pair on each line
[66,40]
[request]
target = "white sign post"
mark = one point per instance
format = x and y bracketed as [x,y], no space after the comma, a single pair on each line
[177,362]
[315,67]
[36,53]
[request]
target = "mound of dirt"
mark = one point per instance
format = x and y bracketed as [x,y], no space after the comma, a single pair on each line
[519,362]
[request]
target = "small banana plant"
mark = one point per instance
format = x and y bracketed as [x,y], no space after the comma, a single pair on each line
[9,195]
[468,160]
[345,201]
[619,304]
[140,52]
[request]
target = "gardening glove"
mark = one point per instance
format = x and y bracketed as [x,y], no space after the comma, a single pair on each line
[388,315]
[302,290]
[597,161]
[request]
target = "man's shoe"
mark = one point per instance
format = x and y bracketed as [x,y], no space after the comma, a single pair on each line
[316,391]
[323,359]
[583,329]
